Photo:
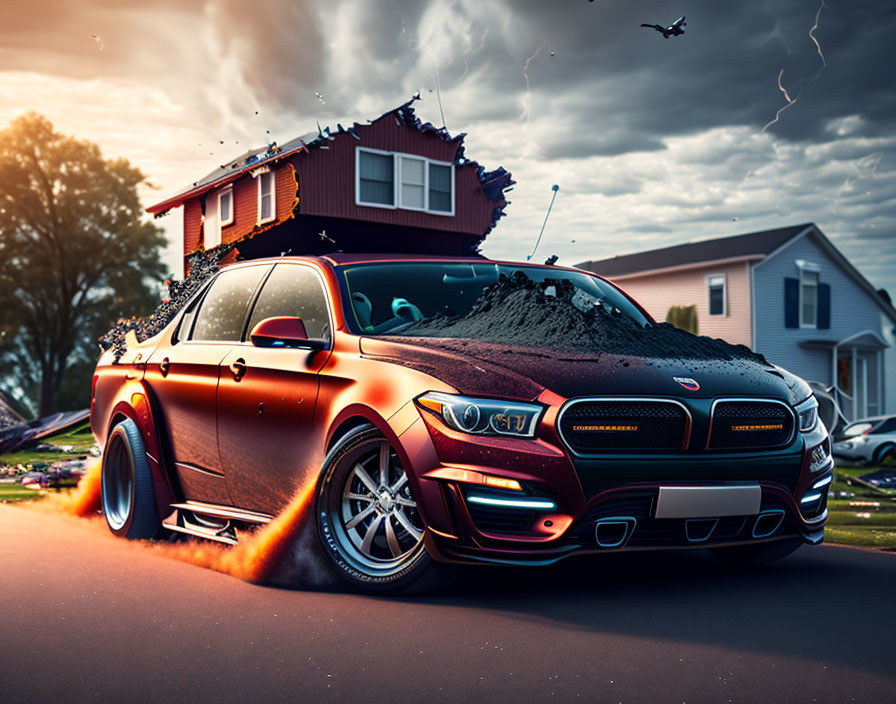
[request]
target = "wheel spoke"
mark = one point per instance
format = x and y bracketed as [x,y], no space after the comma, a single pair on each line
[407,525]
[402,480]
[362,474]
[360,517]
[384,463]
[371,534]
[401,501]
[392,539]
[361,497]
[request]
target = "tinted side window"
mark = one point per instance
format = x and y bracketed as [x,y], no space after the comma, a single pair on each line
[295,291]
[223,309]
[888,426]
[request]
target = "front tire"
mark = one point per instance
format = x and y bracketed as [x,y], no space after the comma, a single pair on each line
[367,517]
[129,499]
[752,556]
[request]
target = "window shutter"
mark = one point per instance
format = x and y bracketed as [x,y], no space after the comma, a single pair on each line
[824,306]
[791,303]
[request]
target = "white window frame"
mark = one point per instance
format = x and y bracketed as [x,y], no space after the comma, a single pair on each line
[804,268]
[260,178]
[228,190]
[397,182]
[709,278]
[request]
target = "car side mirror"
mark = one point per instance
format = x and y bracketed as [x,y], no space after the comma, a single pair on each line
[283,331]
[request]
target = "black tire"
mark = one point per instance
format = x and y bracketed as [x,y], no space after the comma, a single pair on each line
[757,555]
[407,573]
[129,498]
[882,453]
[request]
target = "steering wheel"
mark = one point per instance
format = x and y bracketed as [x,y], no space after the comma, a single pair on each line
[401,308]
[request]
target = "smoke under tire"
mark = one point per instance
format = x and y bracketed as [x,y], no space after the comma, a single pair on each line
[129,499]
[393,562]
[748,556]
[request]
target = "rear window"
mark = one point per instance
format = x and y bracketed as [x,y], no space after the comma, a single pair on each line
[888,426]
[223,309]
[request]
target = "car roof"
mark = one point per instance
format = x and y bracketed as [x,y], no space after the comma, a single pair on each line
[872,419]
[339,259]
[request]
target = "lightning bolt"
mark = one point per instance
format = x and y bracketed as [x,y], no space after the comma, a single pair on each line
[526,76]
[872,160]
[817,45]
[791,101]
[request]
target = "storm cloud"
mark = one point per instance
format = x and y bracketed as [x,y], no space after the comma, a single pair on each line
[652,141]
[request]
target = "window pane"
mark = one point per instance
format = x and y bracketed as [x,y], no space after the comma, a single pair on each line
[810,299]
[716,300]
[412,171]
[376,178]
[294,291]
[267,207]
[440,188]
[226,206]
[412,196]
[223,309]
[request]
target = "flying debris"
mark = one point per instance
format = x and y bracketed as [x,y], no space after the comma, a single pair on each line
[552,53]
[324,236]
[99,41]
[676,29]
[320,98]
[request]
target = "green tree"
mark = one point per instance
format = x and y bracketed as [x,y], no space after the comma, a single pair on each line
[683,317]
[76,254]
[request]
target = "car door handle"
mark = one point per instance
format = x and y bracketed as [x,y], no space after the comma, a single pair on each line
[164,366]
[238,368]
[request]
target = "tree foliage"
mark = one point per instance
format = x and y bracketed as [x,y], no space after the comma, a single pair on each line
[683,318]
[76,254]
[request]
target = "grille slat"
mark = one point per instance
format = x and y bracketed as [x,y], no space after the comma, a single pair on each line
[600,425]
[746,424]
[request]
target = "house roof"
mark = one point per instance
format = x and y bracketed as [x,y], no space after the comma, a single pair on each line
[494,183]
[753,243]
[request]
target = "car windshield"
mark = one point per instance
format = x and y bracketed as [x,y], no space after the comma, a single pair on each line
[382,299]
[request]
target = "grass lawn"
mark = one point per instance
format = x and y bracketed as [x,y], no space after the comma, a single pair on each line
[867,519]
[16,492]
[80,438]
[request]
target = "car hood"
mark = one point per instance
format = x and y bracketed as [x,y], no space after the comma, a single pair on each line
[480,368]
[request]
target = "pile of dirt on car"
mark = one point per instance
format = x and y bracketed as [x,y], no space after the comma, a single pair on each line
[519,311]
[203,265]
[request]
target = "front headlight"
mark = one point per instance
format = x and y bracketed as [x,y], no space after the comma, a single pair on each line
[483,416]
[808,414]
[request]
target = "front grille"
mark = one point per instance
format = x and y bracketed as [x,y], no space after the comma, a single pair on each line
[750,425]
[599,425]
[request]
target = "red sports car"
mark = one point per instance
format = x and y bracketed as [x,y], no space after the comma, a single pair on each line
[456,410]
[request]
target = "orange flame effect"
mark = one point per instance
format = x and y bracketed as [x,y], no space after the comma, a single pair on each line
[85,499]
[256,557]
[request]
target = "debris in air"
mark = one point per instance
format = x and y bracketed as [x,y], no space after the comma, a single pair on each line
[99,41]
[676,29]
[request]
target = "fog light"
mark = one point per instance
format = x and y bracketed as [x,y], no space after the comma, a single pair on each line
[819,456]
[521,502]
[502,483]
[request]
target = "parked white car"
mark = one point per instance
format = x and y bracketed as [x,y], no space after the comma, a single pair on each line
[869,440]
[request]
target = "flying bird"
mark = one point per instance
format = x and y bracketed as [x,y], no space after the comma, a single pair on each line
[675,29]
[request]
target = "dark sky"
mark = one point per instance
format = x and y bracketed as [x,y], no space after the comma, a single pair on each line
[653,141]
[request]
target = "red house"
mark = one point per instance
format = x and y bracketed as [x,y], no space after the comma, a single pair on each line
[393,185]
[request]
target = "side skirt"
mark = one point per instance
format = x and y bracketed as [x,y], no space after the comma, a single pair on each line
[223,524]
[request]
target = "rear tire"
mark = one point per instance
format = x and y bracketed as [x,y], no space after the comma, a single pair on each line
[367,519]
[752,556]
[129,498]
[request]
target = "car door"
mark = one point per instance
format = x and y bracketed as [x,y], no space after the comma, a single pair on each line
[183,377]
[266,396]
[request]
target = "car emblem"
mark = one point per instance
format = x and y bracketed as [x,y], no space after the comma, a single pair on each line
[687,382]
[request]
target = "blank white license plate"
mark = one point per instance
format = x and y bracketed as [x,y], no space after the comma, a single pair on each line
[708,501]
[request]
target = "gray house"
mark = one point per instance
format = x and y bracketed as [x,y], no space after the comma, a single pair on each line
[789,294]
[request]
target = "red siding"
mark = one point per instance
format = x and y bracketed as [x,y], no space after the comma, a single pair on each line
[327,180]
[192,228]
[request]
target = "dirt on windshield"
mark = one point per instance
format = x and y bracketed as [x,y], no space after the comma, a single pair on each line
[518,311]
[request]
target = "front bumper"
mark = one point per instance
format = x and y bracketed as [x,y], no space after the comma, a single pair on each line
[599,503]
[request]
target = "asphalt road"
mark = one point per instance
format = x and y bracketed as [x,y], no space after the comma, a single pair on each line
[86,617]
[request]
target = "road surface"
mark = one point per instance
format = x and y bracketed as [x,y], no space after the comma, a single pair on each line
[86,617]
